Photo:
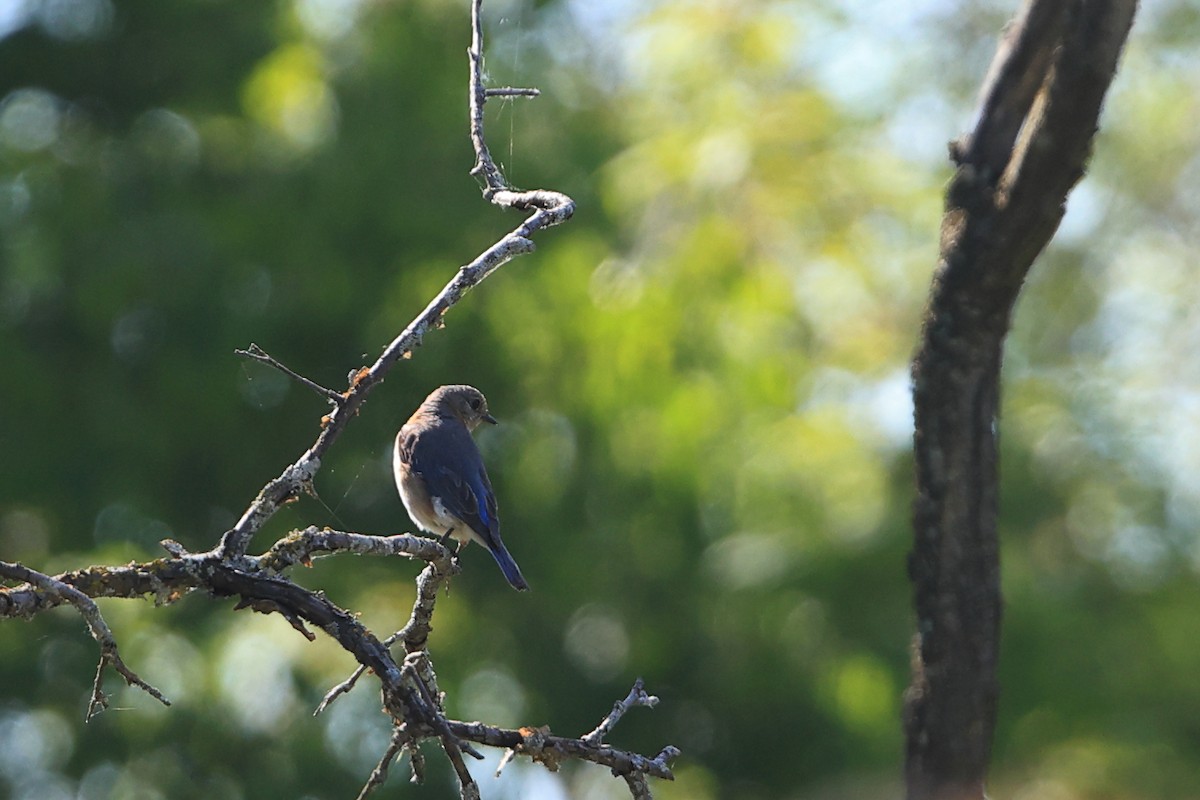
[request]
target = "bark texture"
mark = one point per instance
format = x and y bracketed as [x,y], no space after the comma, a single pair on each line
[1038,116]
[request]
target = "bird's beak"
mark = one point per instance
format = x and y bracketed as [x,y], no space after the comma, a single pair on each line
[491,419]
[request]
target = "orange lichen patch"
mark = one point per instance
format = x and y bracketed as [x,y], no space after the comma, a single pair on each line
[534,745]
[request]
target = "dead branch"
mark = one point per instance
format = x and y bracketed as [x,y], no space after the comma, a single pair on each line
[56,591]
[637,697]
[409,689]
[549,208]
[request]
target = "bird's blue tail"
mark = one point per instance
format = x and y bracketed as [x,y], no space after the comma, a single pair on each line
[512,573]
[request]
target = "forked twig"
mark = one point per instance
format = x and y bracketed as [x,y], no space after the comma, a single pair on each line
[256,353]
[637,697]
[87,608]
[410,693]
[400,739]
[549,208]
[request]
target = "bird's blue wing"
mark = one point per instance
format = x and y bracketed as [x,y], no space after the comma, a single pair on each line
[469,498]
[452,468]
[453,471]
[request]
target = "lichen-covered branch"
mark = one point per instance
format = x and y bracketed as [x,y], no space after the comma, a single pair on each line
[409,688]
[261,583]
[549,208]
[56,591]
[637,697]
[549,750]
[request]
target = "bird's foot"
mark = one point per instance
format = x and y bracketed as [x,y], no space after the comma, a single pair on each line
[444,541]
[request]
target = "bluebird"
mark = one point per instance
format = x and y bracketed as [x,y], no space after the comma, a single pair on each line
[441,477]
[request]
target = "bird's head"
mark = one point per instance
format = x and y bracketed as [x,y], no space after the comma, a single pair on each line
[465,403]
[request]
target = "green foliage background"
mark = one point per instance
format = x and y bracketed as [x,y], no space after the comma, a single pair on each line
[704,463]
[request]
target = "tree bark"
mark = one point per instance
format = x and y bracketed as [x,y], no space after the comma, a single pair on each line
[1040,106]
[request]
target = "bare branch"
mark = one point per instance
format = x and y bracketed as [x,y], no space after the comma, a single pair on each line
[637,697]
[342,688]
[416,761]
[416,667]
[549,750]
[55,589]
[256,353]
[549,208]
[420,671]
[557,206]
[110,656]
[666,756]
[468,789]
[400,740]
[477,98]
[299,547]
[510,91]
[174,548]
[442,566]
[416,633]
[168,579]
[410,692]
[638,786]
[263,606]
[505,759]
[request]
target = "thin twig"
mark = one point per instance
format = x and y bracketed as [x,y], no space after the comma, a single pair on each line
[511,91]
[256,353]
[400,740]
[263,606]
[341,689]
[99,629]
[556,205]
[508,756]
[174,548]
[666,756]
[345,686]
[637,697]
[484,165]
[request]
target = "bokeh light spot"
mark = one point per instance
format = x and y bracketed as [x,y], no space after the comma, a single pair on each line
[29,119]
[287,94]
[597,643]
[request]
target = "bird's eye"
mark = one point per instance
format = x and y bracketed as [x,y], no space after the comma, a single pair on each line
[475,404]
